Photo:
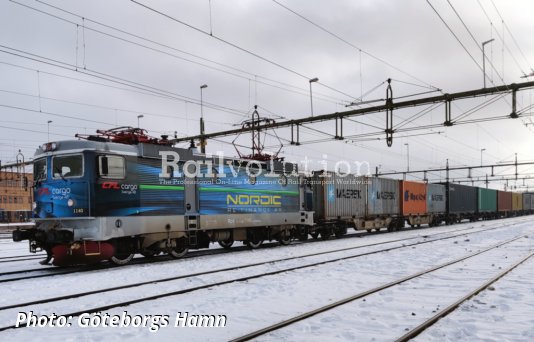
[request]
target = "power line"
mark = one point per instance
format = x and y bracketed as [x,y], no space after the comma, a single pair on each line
[454,34]
[235,46]
[476,43]
[511,35]
[302,92]
[352,45]
[109,108]
[118,80]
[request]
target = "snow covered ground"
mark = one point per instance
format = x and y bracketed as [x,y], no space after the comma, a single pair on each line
[504,313]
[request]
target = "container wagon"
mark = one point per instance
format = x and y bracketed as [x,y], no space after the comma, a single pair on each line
[436,203]
[504,203]
[526,203]
[338,200]
[414,203]
[517,203]
[487,204]
[461,202]
[383,207]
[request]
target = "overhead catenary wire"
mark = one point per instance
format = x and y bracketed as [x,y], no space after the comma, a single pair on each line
[227,42]
[352,45]
[111,108]
[281,85]
[511,35]
[114,79]
[454,35]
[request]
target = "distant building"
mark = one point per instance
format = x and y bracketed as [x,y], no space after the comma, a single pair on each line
[16,196]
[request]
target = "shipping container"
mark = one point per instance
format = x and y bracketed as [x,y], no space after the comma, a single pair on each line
[487,200]
[517,201]
[526,201]
[531,201]
[504,201]
[435,194]
[382,196]
[461,199]
[338,197]
[413,201]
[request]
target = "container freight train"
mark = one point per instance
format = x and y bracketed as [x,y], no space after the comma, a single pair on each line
[111,196]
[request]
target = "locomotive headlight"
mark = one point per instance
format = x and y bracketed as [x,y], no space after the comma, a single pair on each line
[34,205]
[70,202]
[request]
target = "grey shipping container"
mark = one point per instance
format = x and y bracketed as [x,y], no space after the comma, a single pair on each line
[526,201]
[435,195]
[338,196]
[382,196]
[532,201]
[461,198]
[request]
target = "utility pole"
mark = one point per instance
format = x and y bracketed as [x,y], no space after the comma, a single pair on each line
[311,98]
[484,59]
[202,139]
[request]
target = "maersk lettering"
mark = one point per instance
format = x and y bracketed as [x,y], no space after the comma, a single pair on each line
[348,193]
[385,195]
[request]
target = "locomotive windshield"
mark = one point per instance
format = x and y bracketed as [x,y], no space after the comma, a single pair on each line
[67,166]
[39,170]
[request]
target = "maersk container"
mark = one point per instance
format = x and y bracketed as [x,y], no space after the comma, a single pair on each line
[504,201]
[435,195]
[487,200]
[461,198]
[526,201]
[382,196]
[413,198]
[517,201]
[338,197]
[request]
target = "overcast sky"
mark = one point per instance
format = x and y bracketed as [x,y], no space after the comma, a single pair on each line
[375,40]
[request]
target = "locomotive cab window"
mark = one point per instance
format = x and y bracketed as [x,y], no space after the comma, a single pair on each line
[39,170]
[67,166]
[111,167]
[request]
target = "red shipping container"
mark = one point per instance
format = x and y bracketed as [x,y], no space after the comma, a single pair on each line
[413,198]
[504,201]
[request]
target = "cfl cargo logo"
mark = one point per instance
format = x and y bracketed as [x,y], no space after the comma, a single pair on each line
[410,196]
[43,192]
[126,189]
[259,200]
[61,191]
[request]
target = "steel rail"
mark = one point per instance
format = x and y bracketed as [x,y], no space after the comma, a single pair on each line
[431,321]
[241,279]
[331,306]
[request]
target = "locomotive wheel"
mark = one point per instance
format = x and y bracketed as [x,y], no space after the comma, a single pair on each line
[121,259]
[226,244]
[369,230]
[178,252]
[284,239]
[315,235]
[254,244]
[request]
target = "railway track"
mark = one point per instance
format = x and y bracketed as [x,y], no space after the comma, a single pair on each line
[240,279]
[434,319]
[103,266]
[418,329]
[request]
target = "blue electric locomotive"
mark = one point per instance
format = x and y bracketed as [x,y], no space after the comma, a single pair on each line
[109,198]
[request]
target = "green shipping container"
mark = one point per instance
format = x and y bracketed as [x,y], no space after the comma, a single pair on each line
[487,200]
